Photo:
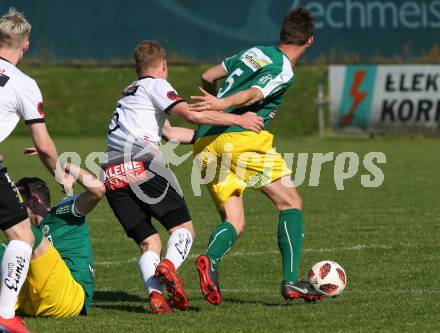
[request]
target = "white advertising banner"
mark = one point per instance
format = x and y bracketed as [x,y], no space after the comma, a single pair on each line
[385,98]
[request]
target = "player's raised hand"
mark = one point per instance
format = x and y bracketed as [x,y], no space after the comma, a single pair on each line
[251,121]
[207,102]
[31,151]
[67,182]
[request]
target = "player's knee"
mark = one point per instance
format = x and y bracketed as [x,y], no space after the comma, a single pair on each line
[290,201]
[239,226]
[152,243]
[188,226]
[240,231]
[297,201]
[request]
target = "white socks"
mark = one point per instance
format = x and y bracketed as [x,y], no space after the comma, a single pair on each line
[179,245]
[14,269]
[147,266]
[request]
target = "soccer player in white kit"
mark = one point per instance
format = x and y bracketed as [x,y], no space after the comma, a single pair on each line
[20,97]
[140,186]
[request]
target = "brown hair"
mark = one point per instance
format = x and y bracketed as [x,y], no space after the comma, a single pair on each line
[297,27]
[148,54]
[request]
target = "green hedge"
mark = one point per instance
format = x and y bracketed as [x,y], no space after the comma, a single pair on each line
[80,100]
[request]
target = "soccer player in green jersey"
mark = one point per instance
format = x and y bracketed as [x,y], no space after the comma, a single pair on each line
[256,80]
[61,275]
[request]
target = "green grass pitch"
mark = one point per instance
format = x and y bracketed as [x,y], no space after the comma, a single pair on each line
[385,238]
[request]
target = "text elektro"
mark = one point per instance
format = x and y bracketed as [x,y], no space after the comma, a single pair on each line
[417,104]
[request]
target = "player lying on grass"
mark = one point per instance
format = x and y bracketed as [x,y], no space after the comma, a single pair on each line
[20,97]
[256,81]
[61,276]
[140,186]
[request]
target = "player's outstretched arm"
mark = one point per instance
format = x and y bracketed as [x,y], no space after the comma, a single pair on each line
[240,99]
[249,120]
[95,189]
[46,150]
[44,145]
[210,77]
[180,134]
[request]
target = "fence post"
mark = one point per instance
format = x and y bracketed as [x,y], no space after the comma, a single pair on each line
[320,107]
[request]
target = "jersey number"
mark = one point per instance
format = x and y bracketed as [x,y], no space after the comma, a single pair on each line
[114,120]
[230,81]
[3,80]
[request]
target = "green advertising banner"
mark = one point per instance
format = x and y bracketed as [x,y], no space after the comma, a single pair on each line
[106,31]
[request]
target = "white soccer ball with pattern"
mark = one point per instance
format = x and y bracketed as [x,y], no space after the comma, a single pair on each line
[328,277]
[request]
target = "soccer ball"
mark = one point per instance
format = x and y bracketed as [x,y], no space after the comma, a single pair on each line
[328,277]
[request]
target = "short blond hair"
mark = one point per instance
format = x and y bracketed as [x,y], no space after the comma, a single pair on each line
[13,29]
[148,54]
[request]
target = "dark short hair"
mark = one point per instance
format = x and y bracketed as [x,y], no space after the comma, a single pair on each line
[34,185]
[297,27]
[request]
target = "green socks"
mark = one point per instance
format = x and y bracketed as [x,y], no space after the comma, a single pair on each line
[220,242]
[290,238]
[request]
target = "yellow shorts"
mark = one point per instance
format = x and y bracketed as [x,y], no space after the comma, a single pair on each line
[50,290]
[234,161]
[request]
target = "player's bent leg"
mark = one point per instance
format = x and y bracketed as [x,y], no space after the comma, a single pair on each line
[178,248]
[220,242]
[51,290]
[149,260]
[186,225]
[290,237]
[152,243]
[225,235]
[15,265]
[173,214]
[283,194]
[233,212]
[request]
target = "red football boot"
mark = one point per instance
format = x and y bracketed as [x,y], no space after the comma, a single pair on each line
[209,284]
[158,304]
[166,274]
[14,325]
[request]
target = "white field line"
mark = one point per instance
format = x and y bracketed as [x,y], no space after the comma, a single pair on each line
[359,247]
[197,291]
[412,291]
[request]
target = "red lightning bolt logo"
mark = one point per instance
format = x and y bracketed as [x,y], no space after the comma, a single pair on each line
[356,95]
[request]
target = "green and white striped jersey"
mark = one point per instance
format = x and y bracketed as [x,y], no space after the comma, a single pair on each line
[264,67]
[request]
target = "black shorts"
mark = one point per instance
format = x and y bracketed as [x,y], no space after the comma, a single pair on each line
[12,208]
[135,204]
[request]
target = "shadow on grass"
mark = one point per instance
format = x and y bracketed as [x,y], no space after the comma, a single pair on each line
[116,300]
[115,296]
[121,307]
[112,300]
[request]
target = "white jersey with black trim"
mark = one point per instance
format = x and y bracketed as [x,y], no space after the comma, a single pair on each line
[140,114]
[19,97]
